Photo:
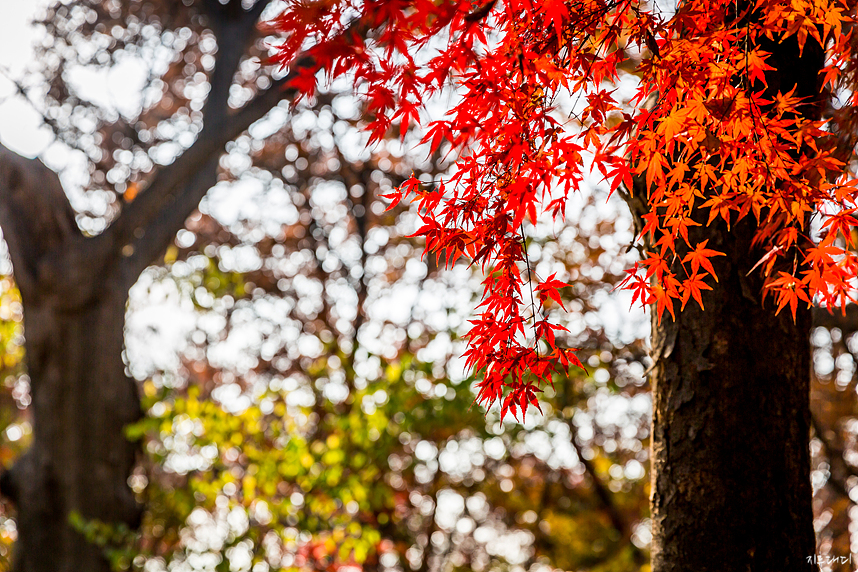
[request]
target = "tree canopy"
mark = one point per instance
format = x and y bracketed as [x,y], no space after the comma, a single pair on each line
[538,107]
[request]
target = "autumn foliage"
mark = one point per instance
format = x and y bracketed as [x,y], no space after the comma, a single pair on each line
[538,110]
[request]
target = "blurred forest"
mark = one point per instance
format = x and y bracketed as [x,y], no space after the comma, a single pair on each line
[304,407]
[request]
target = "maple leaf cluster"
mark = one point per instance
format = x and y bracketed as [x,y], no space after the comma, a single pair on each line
[712,139]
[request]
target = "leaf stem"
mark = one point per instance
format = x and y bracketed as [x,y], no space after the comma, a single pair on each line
[530,286]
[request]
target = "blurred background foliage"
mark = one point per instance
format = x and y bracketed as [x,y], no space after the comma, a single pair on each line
[305,407]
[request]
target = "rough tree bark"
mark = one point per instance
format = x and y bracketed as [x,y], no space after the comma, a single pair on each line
[731,418]
[74,290]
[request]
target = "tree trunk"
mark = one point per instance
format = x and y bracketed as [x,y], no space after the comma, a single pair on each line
[80,460]
[731,388]
[74,294]
[731,421]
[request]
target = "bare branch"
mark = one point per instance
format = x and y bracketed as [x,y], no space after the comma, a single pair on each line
[220,14]
[256,10]
[160,232]
[233,27]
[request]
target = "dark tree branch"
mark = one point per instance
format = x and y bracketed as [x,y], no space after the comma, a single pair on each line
[220,14]
[39,225]
[233,27]
[173,195]
[257,108]
[52,123]
[170,199]
[605,496]
[162,230]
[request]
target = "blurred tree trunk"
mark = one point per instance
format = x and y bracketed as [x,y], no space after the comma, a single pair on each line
[80,459]
[731,387]
[74,311]
[74,290]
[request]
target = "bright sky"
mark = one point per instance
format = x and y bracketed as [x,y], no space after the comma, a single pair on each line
[20,126]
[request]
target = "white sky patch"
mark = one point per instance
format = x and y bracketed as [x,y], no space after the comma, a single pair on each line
[16,34]
[118,88]
[20,125]
[159,321]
